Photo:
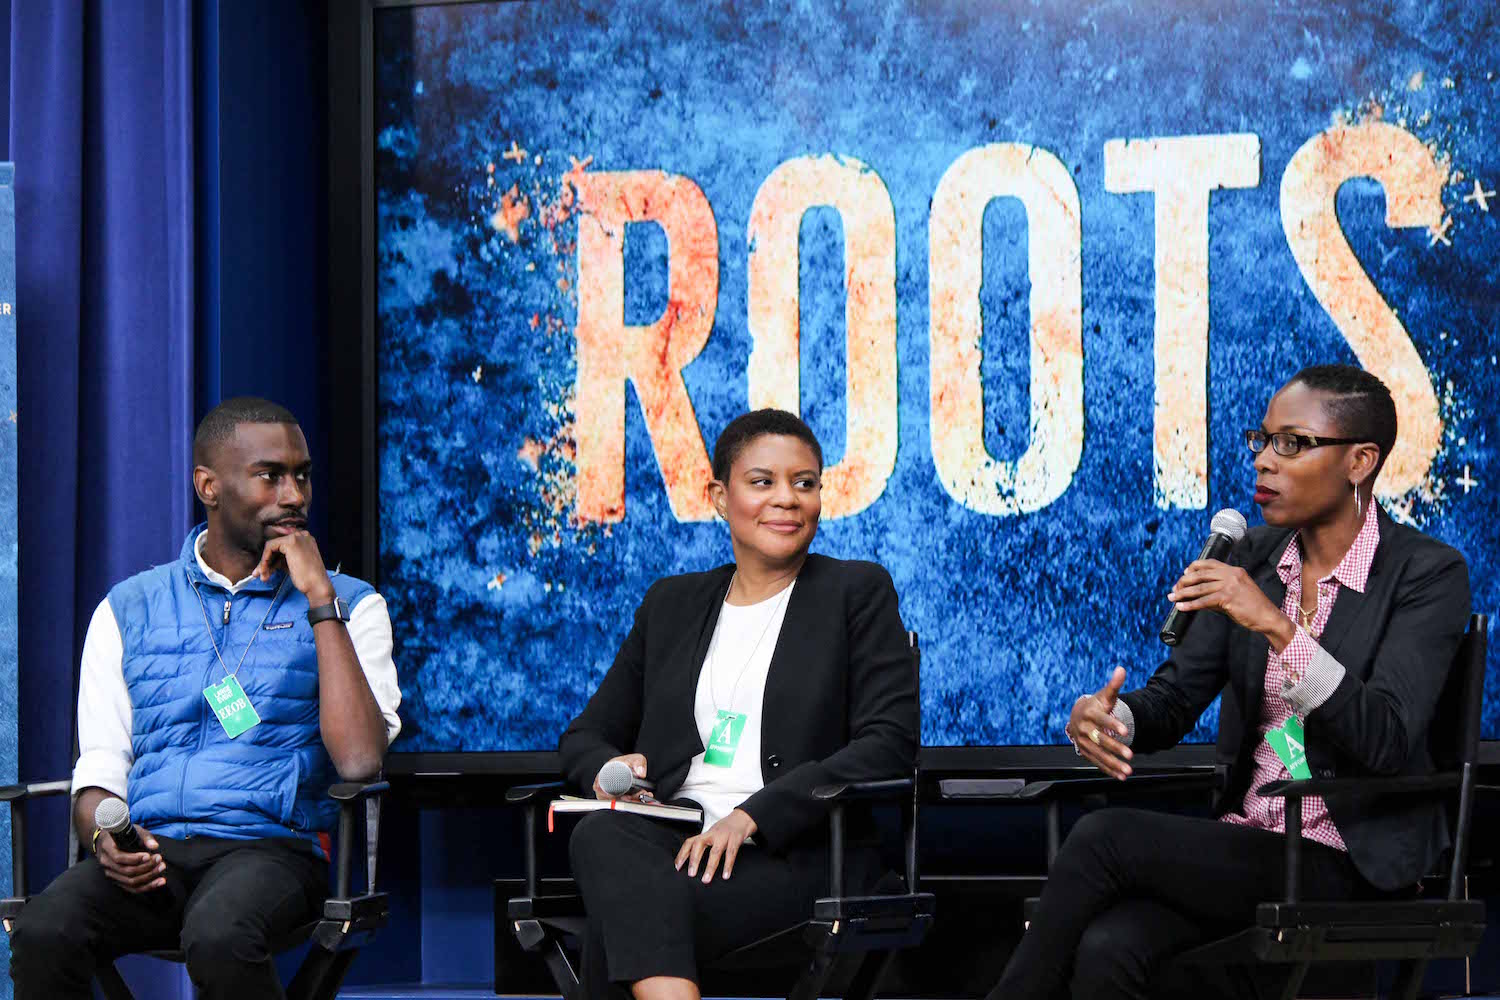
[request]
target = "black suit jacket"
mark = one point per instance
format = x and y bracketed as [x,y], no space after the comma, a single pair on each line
[1396,642]
[840,699]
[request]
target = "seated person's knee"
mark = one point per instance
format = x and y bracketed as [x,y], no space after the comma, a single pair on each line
[212,944]
[1092,831]
[44,934]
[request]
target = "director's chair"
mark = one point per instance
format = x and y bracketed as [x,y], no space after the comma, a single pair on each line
[847,941]
[348,921]
[1296,933]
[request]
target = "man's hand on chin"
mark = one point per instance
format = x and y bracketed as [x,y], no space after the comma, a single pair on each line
[298,552]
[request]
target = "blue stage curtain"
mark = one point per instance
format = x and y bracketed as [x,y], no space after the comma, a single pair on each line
[101,131]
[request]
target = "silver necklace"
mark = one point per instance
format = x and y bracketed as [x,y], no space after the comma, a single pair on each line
[713,652]
[203,607]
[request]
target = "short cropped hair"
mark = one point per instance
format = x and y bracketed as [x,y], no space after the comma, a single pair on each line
[219,425]
[758,423]
[1360,405]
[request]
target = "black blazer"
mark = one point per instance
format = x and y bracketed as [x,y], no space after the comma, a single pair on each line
[1396,642]
[840,699]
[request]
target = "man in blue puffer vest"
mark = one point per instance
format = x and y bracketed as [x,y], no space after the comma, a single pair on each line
[219,695]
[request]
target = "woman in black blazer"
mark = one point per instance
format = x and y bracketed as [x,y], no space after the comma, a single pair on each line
[825,639]
[1332,614]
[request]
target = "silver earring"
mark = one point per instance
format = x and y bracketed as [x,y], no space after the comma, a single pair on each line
[1359,510]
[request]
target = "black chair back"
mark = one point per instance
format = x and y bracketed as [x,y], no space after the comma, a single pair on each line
[1460,703]
[1463,699]
[909,848]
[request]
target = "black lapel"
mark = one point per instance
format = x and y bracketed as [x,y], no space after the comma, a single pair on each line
[708,621]
[1350,605]
[793,645]
[682,686]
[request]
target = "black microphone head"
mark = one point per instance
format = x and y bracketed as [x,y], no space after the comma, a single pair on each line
[112,816]
[1230,523]
[616,778]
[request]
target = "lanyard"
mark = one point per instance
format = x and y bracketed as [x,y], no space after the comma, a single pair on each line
[275,599]
[713,651]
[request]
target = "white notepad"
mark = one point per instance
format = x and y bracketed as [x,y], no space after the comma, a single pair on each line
[655,810]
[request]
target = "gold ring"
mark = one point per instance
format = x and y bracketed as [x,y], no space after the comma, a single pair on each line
[1094,735]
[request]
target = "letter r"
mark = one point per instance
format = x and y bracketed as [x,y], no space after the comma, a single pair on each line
[651,356]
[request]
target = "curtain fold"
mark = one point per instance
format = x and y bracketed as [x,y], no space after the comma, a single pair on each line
[102,134]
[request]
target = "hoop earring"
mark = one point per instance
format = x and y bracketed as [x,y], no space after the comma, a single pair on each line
[1359,510]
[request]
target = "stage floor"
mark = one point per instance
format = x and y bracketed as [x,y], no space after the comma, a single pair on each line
[477,992]
[416,993]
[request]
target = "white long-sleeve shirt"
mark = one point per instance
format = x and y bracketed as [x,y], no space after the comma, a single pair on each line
[104,709]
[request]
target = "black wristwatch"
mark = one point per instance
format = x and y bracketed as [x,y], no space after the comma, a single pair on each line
[338,609]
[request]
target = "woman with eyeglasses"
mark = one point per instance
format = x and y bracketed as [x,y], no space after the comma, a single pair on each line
[1331,636]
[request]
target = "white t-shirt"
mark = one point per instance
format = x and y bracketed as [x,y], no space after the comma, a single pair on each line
[733,679]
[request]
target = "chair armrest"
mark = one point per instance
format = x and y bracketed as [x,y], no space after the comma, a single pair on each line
[523,794]
[1415,784]
[35,789]
[1015,790]
[1051,794]
[531,797]
[1294,791]
[349,791]
[348,794]
[889,788]
[979,789]
[1066,789]
[17,796]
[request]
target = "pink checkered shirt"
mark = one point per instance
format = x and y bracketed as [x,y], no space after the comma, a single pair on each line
[1287,669]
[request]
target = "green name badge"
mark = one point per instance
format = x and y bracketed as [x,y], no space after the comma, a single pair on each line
[232,707]
[724,740]
[1291,747]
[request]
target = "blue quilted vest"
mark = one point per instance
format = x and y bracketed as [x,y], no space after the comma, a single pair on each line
[188,778]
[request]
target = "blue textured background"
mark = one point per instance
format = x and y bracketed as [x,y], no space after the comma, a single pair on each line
[507,614]
[8,596]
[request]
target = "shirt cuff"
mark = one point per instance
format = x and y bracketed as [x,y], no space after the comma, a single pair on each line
[1123,713]
[102,769]
[1320,674]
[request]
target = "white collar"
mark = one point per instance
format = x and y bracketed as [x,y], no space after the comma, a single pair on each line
[214,576]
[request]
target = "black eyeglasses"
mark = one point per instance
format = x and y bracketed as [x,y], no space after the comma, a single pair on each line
[1287,444]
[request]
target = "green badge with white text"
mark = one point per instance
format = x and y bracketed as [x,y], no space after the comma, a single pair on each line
[1291,747]
[231,706]
[724,740]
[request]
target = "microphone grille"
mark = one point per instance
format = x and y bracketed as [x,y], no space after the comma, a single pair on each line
[1229,522]
[616,778]
[112,815]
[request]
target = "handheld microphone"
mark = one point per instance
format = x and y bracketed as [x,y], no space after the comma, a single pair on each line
[617,779]
[1227,528]
[113,817]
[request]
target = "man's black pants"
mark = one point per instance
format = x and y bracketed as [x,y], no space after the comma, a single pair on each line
[1131,889]
[225,904]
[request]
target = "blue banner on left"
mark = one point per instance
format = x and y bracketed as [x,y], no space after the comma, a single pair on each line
[8,537]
